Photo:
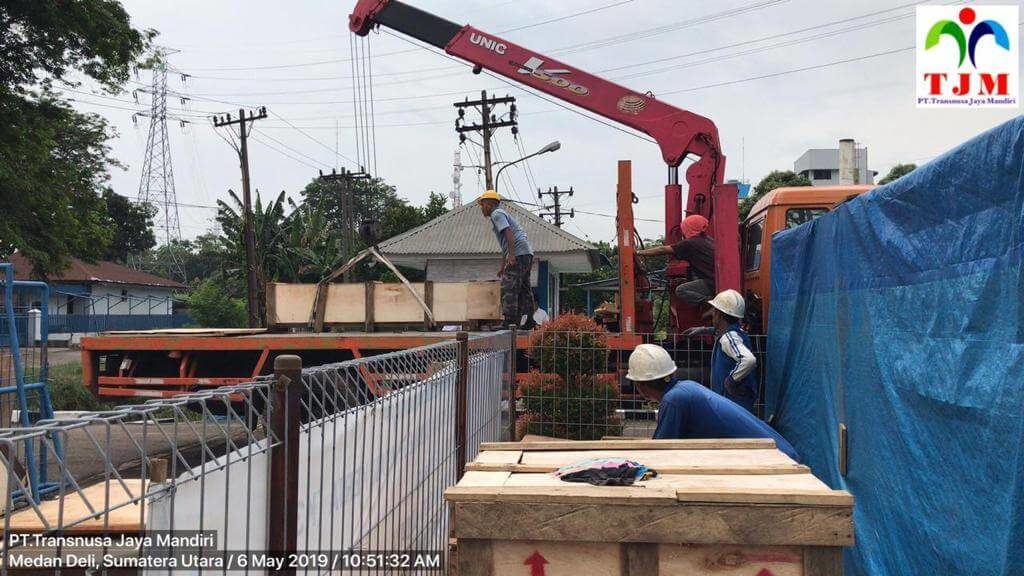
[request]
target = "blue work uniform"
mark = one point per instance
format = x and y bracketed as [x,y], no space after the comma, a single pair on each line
[689,410]
[732,358]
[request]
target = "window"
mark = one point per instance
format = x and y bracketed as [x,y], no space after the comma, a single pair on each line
[752,246]
[821,175]
[70,304]
[124,294]
[798,216]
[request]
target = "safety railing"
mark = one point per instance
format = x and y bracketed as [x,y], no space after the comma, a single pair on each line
[574,386]
[332,463]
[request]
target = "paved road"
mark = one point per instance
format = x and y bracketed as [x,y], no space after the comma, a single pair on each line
[64,356]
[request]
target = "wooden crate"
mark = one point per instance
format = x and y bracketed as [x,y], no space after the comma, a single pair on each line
[375,303]
[730,507]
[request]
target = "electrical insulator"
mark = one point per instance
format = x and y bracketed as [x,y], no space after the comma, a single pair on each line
[462,113]
[515,130]
[462,138]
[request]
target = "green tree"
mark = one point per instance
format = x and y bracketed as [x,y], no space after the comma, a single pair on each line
[437,205]
[898,171]
[205,257]
[212,307]
[313,245]
[269,229]
[132,226]
[775,179]
[54,160]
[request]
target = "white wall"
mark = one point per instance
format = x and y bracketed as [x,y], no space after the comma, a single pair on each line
[133,302]
[468,270]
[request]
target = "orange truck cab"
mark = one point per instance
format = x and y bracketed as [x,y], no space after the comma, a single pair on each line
[780,209]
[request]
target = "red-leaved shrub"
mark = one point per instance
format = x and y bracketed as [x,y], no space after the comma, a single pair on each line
[569,394]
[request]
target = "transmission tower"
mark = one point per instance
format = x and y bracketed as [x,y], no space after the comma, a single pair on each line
[457,180]
[156,189]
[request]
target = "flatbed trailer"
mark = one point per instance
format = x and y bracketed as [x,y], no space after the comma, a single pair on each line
[160,364]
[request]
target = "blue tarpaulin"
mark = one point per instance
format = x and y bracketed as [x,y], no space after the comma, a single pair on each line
[900,315]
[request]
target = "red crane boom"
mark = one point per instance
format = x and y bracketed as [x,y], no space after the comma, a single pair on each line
[679,133]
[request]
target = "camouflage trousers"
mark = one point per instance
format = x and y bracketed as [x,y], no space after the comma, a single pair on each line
[516,295]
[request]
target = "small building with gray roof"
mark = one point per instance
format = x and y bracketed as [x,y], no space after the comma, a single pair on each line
[460,246]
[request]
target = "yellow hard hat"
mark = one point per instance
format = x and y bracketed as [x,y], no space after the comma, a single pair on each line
[489,195]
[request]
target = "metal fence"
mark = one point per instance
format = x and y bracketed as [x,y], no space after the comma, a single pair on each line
[573,385]
[85,314]
[353,456]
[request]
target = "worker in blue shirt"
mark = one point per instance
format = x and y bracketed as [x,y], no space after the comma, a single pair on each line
[517,304]
[688,410]
[733,365]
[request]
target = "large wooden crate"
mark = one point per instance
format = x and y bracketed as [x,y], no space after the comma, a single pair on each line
[373,303]
[718,507]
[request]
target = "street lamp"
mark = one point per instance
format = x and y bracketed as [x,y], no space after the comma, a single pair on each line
[549,148]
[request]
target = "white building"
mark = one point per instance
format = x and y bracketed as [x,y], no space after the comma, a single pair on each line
[822,165]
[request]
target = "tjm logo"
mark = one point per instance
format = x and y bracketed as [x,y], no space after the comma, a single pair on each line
[968,56]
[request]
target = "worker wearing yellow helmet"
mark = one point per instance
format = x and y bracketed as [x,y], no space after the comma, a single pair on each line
[517,305]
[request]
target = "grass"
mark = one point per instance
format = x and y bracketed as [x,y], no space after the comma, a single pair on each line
[67,391]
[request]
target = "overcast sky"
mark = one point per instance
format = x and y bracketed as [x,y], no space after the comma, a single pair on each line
[293,57]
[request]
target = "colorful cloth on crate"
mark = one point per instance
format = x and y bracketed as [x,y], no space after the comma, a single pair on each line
[500,220]
[605,472]
[689,410]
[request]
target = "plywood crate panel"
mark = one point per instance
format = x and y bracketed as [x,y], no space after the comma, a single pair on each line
[449,302]
[733,507]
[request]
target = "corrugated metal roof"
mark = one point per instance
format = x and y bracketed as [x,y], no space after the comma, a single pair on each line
[465,231]
[79,271]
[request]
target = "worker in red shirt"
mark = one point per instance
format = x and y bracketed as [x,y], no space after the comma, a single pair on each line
[698,249]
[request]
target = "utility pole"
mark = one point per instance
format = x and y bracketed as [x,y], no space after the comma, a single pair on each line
[346,177]
[557,212]
[489,122]
[244,128]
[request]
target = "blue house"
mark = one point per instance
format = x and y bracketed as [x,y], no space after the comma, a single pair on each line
[87,298]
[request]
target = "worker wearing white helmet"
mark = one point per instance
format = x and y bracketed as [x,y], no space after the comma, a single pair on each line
[733,365]
[688,410]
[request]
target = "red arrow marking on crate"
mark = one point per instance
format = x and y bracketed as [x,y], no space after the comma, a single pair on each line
[765,572]
[536,563]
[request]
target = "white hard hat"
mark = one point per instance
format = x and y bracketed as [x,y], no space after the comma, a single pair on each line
[650,362]
[730,302]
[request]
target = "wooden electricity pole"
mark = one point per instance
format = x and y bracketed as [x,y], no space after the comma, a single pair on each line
[556,208]
[244,128]
[488,124]
[346,178]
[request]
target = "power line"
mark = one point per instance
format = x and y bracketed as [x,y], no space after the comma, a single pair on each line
[528,91]
[321,144]
[790,71]
[287,147]
[704,51]
[399,52]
